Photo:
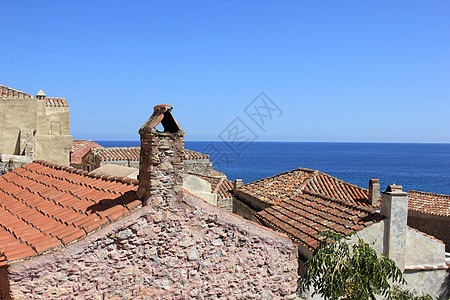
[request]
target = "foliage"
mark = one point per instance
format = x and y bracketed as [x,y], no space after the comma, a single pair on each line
[397,293]
[342,269]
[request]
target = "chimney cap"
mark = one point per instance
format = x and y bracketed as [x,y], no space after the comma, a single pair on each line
[374,180]
[40,94]
[162,114]
[394,188]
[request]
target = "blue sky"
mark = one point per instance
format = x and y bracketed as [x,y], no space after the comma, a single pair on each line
[352,71]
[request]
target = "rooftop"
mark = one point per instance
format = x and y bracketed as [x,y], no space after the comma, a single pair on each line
[304,215]
[274,190]
[219,185]
[77,144]
[132,153]
[46,206]
[429,203]
[6,92]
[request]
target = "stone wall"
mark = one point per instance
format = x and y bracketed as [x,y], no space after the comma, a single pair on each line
[242,209]
[160,167]
[226,204]
[189,251]
[198,166]
[433,225]
[10,162]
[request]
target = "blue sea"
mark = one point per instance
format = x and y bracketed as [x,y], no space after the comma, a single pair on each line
[423,167]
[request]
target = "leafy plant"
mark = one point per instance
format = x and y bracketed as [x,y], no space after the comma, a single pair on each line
[345,269]
[398,293]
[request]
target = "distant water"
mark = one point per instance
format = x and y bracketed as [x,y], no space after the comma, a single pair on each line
[424,167]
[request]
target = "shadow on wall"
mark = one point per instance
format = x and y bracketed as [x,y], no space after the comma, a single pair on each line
[5,291]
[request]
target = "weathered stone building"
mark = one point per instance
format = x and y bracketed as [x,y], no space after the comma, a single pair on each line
[33,127]
[68,233]
[79,150]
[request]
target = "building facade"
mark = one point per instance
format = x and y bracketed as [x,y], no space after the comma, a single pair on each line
[33,127]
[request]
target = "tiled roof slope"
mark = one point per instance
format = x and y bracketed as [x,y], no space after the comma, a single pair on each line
[132,153]
[77,144]
[56,102]
[190,155]
[273,190]
[117,153]
[6,92]
[303,216]
[429,203]
[44,207]
[220,186]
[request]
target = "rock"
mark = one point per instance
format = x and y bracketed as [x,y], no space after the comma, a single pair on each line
[128,271]
[217,242]
[193,254]
[266,295]
[187,242]
[124,234]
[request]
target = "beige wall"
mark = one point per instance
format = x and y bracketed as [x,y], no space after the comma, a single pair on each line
[50,125]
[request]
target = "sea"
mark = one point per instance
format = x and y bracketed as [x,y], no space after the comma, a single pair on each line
[423,167]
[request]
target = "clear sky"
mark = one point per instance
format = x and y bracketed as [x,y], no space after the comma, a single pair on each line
[352,71]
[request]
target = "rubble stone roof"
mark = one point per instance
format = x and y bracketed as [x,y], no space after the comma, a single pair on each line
[304,215]
[274,190]
[429,203]
[44,207]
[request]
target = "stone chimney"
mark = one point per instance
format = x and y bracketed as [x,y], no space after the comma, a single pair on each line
[41,95]
[160,165]
[374,191]
[394,206]
[237,184]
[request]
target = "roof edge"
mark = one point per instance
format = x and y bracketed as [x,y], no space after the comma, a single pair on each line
[105,177]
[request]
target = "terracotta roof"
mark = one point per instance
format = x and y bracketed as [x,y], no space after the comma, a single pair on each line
[56,102]
[6,92]
[117,153]
[219,185]
[190,155]
[303,216]
[275,189]
[429,203]
[44,207]
[132,153]
[77,144]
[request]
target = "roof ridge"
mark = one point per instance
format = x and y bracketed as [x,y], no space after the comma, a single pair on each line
[14,90]
[339,201]
[340,180]
[106,177]
[427,193]
[282,173]
[221,180]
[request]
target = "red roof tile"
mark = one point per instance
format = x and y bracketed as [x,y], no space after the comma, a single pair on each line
[77,144]
[191,155]
[44,207]
[6,92]
[429,203]
[56,102]
[306,214]
[273,190]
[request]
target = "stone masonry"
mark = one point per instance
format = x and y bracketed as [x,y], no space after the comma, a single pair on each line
[161,159]
[190,251]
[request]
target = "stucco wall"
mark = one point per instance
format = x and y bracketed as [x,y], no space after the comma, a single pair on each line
[16,114]
[431,282]
[422,250]
[433,225]
[192,251]
[50,126]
